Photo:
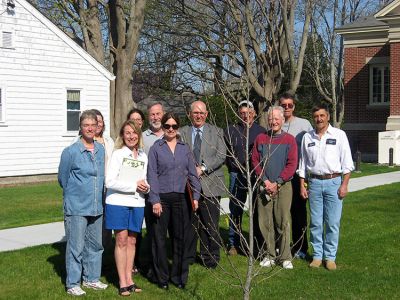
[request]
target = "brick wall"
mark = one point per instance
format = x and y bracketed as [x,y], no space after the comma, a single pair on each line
[356,80]
[395,79]
[365,141]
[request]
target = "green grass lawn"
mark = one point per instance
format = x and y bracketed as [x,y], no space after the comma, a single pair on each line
[30,204]
[372,169]
[42,203]
[368,264]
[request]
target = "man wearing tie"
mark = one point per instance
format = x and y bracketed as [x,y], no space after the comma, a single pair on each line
[209,150]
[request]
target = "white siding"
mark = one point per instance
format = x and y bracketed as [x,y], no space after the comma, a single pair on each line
[36,72]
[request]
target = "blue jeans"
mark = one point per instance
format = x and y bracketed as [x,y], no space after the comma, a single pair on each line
[238,196]
[325,211]
[84,249]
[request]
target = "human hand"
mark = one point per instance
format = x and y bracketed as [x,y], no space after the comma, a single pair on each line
[267,184]
[273,191]
[303,192]
[342,191]
[199,171]
[157,209]
[142,186]
[196,204]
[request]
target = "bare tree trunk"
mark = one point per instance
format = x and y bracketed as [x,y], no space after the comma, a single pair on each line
[123,95]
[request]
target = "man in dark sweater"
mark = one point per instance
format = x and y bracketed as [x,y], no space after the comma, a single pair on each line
[239,139]
[274,159]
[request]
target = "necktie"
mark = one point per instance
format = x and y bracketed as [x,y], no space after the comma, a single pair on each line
[197,146]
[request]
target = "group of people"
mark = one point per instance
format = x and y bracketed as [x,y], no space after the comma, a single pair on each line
[149,175]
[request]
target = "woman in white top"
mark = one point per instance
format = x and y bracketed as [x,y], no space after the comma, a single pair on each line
[126,185]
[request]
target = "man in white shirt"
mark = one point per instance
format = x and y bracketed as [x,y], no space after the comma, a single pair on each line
[326,163]
[297,127]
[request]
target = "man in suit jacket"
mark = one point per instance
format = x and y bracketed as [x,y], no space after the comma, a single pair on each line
[209,150]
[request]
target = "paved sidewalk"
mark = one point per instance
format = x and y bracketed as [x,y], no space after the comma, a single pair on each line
[22,237]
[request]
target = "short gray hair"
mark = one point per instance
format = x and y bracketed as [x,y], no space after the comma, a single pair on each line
[278,108]
[87,114]
[150,105]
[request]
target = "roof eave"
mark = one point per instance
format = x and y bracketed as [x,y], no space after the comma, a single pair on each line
[362,29]
[387,9]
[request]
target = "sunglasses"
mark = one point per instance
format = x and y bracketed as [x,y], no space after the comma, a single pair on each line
[289,105]
[167,126]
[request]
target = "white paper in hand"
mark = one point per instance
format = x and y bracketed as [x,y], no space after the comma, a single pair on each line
[131,171]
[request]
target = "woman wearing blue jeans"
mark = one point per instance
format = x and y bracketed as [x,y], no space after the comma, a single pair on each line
[81,175]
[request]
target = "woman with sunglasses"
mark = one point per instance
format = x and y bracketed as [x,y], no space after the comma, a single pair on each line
[171,165]
[126,186]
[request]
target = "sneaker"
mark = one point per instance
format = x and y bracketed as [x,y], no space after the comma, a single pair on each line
[266,262]
[232,251]
[330,265]
[76,291]
[287,264]
[97,285]
[300,255]
[316,263]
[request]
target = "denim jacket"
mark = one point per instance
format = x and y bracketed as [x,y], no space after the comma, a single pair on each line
[81,175]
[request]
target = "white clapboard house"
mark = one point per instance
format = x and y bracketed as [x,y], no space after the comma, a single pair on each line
[46,81]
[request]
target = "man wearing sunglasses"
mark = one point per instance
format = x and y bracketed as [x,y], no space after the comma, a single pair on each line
[209,150]
[297,127]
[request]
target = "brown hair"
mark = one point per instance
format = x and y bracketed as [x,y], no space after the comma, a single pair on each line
[287,95]
[170,115]
[135,110]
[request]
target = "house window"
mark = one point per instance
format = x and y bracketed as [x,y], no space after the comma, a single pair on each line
[73,109]
[6,39]
[379,84]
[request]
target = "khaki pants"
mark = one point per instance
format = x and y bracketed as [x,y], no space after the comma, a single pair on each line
[274,221]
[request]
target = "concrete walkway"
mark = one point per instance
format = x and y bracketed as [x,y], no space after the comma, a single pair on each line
[22,237]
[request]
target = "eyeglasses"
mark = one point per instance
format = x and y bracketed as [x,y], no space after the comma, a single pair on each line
[167,126]
[288,105]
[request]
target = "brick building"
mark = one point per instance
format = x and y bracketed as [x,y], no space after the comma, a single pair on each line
[372,78]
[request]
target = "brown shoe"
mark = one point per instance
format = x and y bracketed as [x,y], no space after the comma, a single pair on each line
[316,263]
[330,265]
[232,251]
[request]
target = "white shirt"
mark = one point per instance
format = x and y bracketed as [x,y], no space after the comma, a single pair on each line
[120,193]
[328,155]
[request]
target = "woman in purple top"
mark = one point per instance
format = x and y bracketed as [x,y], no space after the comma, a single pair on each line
[171,165]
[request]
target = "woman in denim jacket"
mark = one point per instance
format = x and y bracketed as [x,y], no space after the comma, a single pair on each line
[81,175]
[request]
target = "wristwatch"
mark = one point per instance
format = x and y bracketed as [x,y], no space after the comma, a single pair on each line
[203,167]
